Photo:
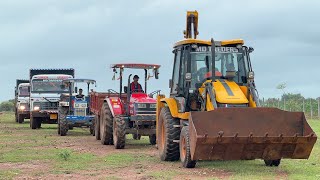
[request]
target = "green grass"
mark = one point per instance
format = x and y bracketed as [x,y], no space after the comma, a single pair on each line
[8,174]
[167,174]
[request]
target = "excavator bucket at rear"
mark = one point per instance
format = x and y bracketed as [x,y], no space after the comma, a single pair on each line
[250,133]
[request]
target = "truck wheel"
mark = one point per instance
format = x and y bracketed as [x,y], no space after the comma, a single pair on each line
[16,116]
[136,136]
[92,130]
[272,162]
[97,127]
[185,155]
[20,118]
[166,134]
[106,125]
[39,121]
[119,132]
[63,124]
[33,122]
[153,139]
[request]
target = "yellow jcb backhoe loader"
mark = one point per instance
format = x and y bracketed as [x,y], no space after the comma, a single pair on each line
[213,110]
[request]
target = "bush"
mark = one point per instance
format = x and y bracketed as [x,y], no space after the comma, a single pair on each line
[7,106]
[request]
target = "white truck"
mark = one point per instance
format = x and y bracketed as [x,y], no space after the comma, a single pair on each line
[21,101]
[45,94]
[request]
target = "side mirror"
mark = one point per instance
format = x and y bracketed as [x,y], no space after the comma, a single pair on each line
[251,49]
[170,83]
[76,89]
[62,86]
[125,88]
[156,73]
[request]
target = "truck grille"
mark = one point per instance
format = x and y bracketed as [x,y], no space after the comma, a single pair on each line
[147,109]
[47,105]
[80,111]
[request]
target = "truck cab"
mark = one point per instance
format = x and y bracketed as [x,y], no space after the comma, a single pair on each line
[22,94]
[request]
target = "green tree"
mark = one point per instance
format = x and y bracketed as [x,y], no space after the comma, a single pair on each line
[7,106]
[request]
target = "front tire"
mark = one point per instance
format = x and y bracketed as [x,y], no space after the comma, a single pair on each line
[166,134]
[20,118]
[63,124]
[185,154]
[106,125]
[119,132]
[33,122]
[97,127]
[153,139]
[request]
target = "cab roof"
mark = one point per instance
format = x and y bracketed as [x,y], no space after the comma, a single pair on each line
[136,66]
[79,81]
[206,42]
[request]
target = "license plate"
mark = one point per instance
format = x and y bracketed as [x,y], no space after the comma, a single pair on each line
[53,116]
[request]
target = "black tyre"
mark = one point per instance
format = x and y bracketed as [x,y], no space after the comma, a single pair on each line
[185,155]
[63,124]
[153,139]
[166,134]
[272,162]
[97,127]
[16,116]
[33,122]
[136,136]
[39,121]
[106,125]
[92,130]
[119,132]
[70,127]
[20,118]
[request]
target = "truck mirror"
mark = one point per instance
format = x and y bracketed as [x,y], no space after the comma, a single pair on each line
[156,73]
[76,89]
[125,88]
[62,86]
[170,83]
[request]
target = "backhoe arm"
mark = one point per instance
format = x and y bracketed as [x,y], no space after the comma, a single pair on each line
[192,25]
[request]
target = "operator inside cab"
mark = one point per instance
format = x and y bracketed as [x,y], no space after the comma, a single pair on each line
[135,87]
[80,95]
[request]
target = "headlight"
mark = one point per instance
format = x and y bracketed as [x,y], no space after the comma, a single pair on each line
[153,105]
[36,108]
[142,106]
[22,107]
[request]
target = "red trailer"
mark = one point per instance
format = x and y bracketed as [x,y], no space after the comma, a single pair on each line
[126,111]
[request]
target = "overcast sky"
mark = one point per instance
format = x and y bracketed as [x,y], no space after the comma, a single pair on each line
[90,35]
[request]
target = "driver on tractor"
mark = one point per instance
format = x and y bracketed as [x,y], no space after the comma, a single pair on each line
[80,95]
[136,87]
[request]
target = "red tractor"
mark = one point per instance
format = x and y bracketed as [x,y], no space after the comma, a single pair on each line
[129,111]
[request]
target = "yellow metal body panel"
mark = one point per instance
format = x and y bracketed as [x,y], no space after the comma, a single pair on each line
[172,104]
[244,89]
[206,42]
[229,92]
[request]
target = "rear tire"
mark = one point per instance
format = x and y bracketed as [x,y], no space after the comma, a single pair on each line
[92,130]
[272,162]
[106,125]
[153,139]
[20,118]
[166,134]
[97,127]
[63,124]
[185,154]
[119,132]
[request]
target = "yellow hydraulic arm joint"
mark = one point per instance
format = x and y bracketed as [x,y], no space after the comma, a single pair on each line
[192,25]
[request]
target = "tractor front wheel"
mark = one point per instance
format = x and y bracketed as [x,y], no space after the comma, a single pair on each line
[63,124]
[119,132]
[185,155]
[167,132]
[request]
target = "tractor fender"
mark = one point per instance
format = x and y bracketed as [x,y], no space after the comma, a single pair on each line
[115,105]
[173,106]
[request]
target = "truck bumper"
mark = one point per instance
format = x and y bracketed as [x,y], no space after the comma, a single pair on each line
[144,125]
[52,115]
[26,114]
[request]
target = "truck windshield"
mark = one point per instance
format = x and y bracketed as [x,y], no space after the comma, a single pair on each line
[24,91]
[48,86]
[225,60]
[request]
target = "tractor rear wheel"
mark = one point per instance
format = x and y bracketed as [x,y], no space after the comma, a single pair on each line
[106,125]
[185,155]
[119,132]
[153,139]
[63,124]
[97,127]
[20,118]
[167,131]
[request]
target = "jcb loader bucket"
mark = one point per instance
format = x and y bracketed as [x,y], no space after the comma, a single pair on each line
[250,133]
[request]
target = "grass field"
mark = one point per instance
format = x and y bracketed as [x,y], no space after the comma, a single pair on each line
[26,153]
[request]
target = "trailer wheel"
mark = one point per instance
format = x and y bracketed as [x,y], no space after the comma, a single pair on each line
[119,132]
[272,162]
[20,118]
[153,139]
[97,127]
[166,134]
[33,122]
[63,124]
[92,130]
[106,125]
[185,154]
[136,136]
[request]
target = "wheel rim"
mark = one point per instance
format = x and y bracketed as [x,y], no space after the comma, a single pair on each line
[183,151]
